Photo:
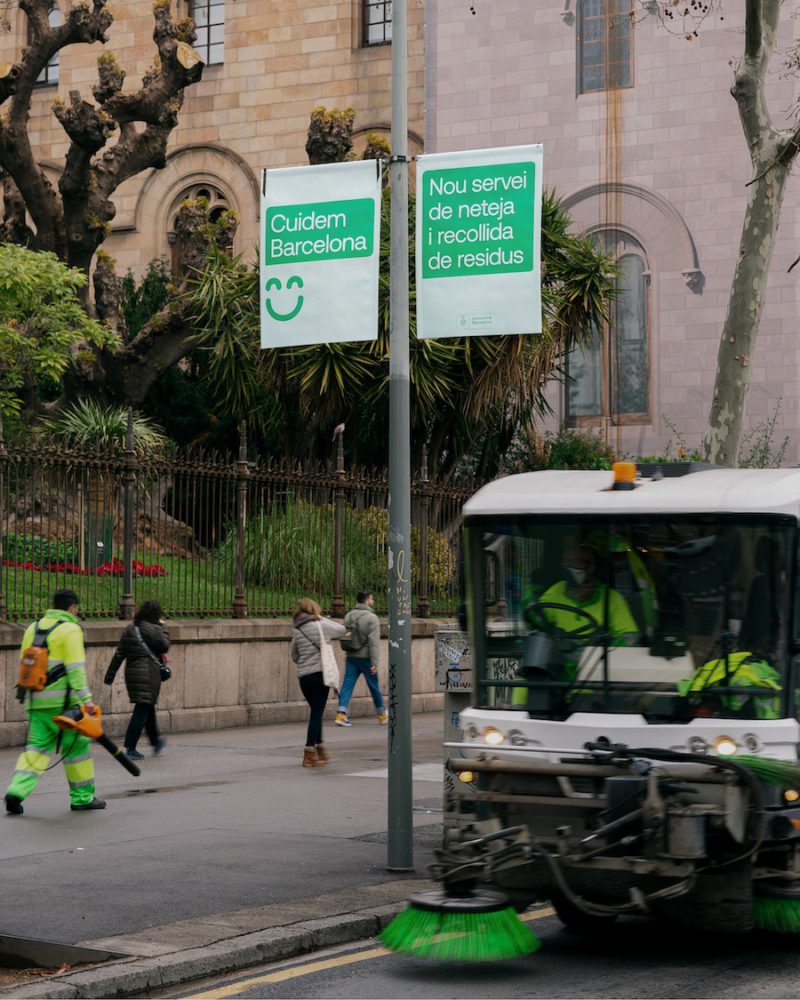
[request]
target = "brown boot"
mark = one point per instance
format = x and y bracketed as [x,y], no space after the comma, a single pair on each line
[322,754]
[310,758]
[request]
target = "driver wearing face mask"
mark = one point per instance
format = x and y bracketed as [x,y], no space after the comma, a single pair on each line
[580,588]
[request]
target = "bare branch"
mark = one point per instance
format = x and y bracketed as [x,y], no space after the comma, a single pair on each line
[749,89]
[14,228]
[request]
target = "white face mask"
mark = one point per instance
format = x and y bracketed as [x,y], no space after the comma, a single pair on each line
[576,576]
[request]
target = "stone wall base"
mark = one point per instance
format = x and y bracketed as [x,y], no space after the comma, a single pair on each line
[224,674]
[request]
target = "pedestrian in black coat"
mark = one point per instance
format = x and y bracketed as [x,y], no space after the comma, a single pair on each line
[141,648]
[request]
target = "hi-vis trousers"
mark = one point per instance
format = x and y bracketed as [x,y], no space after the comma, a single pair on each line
[34,759]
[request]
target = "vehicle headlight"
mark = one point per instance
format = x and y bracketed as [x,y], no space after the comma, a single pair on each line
[466,776]
[751,742]
[698,745]
[516,738]
[492,736]
[725,746]
[472,732]
[791,795]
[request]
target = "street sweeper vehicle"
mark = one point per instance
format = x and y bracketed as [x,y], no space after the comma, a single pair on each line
[632,743]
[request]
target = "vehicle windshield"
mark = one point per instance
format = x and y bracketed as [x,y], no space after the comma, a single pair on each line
[670,618]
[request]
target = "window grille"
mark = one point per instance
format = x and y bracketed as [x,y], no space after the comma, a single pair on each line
[605,45]
[209,19]
[377,22]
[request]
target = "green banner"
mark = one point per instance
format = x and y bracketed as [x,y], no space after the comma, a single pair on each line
[478,242]
[321,230]
[318,272]
[478,220]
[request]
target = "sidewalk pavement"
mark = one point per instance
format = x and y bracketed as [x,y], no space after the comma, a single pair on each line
[225,853]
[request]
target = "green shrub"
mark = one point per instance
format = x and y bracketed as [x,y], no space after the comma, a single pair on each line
[37,550]
[569,449]
[578,450]
[294,547]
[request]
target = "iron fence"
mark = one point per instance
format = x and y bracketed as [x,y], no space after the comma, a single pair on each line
[211,535]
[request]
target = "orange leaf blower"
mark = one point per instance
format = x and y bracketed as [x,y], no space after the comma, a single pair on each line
[78,720]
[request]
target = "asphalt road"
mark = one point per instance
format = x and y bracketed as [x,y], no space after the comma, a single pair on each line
[641,958]
[221,821]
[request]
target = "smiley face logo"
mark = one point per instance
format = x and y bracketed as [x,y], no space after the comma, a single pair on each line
[275,284]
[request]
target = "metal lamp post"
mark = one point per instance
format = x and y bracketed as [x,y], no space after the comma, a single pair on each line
[400,829]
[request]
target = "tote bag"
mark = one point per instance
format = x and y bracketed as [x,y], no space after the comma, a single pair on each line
[330,668]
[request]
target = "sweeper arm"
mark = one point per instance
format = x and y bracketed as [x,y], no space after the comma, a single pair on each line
[80,721]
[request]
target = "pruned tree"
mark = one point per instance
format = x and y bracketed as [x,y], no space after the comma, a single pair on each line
[772,152]
[330,135]
[110,139]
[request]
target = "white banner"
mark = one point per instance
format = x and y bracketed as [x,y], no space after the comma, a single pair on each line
[479,219]
[320,243]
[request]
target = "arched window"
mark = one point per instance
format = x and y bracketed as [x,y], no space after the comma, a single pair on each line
[217,204]
[609,379]
[605,45]
[49,75]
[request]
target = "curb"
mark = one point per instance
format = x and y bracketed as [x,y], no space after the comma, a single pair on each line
[131,976]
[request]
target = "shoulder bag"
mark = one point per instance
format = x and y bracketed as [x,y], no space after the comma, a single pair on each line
[163,666]
[330,668]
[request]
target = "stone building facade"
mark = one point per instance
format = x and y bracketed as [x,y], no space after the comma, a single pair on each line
[268,65]
[642,138]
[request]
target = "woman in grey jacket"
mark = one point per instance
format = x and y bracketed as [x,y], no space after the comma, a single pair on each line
[307,655]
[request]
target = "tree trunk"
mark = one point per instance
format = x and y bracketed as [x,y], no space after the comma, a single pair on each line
[772,153]
[721,444]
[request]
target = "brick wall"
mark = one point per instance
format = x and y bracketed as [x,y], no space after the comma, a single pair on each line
[283,58]
[507,74]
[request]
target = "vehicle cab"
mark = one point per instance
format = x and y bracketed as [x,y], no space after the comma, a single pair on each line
[668,606]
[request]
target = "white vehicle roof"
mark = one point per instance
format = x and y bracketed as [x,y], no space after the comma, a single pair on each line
[716,491]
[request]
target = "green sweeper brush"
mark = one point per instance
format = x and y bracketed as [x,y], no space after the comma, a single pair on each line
[775,909]
[479,926]
[783,773]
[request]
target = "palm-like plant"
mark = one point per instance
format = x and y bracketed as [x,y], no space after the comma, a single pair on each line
[468,394]
[88,425]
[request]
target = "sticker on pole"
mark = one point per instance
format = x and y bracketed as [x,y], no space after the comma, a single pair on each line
[478,242]
[320,243]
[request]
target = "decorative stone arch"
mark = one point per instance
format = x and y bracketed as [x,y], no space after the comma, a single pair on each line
[649,218]
[187,169]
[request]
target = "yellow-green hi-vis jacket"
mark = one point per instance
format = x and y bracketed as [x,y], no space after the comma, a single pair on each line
[64,647]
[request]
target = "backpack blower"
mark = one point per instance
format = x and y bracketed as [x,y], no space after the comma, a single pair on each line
[78,720]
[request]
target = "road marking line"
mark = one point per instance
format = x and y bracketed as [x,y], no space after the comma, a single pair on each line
[295,971]
[419,772]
